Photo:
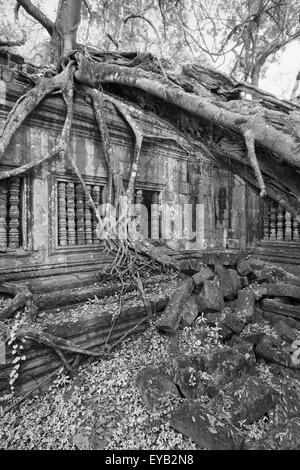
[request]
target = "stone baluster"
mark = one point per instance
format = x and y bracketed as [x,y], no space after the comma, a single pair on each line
[71,214]
[3,215]
[296,234]
[280,223]
[266,221]
[14,213]
[288,227]
[88,218]
[96,198]
[273,221]
[154,217]
[62,214]
[79,214]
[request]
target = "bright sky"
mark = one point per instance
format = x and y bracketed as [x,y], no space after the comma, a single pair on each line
[281,75]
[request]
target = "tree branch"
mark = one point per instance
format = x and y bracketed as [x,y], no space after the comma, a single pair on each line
[37,14]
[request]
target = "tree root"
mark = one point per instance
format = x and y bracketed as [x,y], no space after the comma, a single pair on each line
[250,144]
[55,342]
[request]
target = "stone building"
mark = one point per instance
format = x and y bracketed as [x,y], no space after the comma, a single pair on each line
[47,228]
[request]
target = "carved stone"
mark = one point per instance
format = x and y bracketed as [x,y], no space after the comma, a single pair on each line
[62,214]
[3,215]
[154,217]
[14,213]
[88,219]
[79,215]
[71,214]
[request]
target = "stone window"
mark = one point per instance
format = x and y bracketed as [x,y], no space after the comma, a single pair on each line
[278,224]
[76,223]
[12,207]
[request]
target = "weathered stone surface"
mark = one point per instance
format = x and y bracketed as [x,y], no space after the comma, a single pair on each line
[185,375]
[201,276]
[256,264]
[226,258]
[243,267]
[191,265]
[229,284]
[245,304]
[172,315]
[283,290]
[208,432]
[285,332]
[225,333]
[280,308]
[235,322]
[271,350]
[210,299]
[284,436]
[212,318]
[153,383]
[244,282]
[190,311]
[246,399]
[237,358]
[252,338]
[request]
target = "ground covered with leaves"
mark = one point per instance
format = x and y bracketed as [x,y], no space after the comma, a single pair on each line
[101,407]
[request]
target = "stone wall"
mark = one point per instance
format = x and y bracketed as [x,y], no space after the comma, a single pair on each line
[198,205]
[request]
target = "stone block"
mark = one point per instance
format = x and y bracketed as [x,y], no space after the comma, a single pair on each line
[190,311]
[246,399]
[245,305]
[153,384]
[210,299]
[229,284]
[207,431]
[285,332]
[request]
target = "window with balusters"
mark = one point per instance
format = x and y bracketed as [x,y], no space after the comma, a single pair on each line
[12,200]
[76,222]
[278,224]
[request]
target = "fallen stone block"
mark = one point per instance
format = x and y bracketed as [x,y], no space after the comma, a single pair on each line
[244,282]
[229,284]
[245,305]
[280,308]
[207,431]
[203,275]
[235,322]
[212,318]
[256,264]
[191,266]
[285,332]
[153,384]
[284,436]
[225,333]
[236,358]
[172,315]
[243,268]
[210,299]
[246,399]
[190,311]
[272,351]
[185,375]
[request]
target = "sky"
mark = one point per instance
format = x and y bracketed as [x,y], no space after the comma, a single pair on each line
[280,76]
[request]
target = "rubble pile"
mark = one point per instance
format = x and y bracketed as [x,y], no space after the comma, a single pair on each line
[255,308]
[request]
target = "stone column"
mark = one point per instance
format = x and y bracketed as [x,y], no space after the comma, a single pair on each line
[3,214]
[154,217]
[71,214]
[62,214]
[79,214]
[288,227]
[14,213]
